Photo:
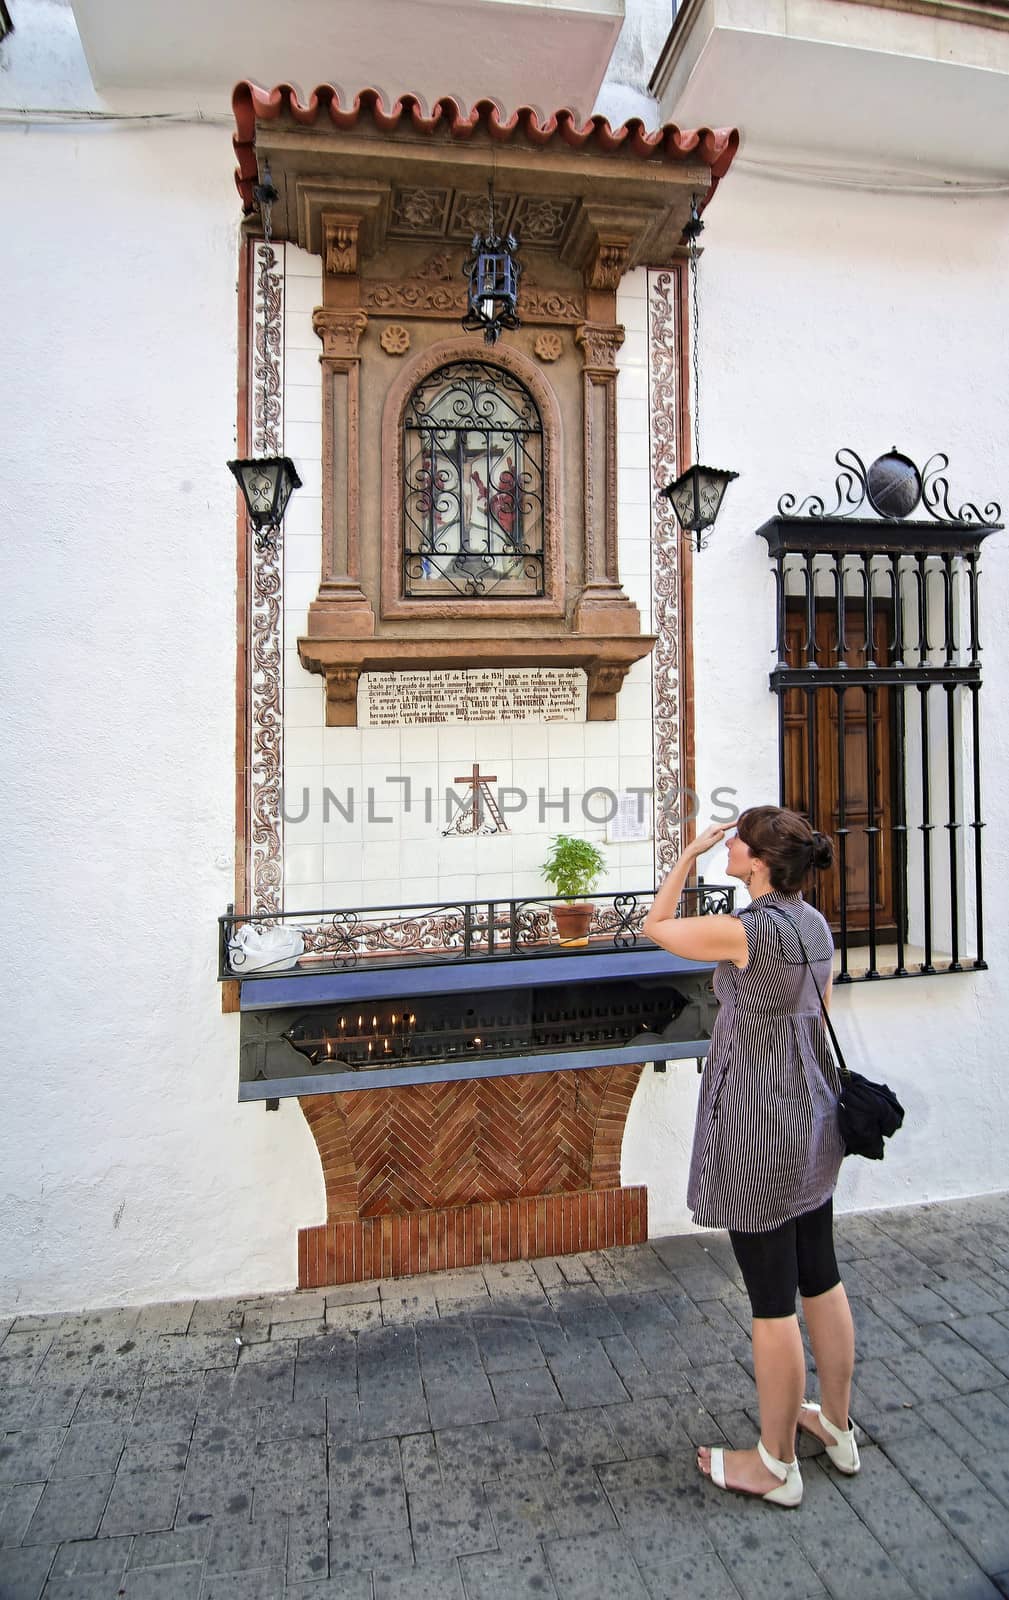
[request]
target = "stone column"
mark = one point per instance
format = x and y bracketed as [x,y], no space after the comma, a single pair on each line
[602,247]
[602,606]
[341,609]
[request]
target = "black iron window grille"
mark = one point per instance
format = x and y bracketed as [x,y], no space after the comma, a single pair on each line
[878,680]
[472,486]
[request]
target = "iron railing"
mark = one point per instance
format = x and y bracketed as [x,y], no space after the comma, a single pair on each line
[463,931]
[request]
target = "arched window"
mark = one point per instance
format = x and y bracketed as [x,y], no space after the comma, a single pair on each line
[472,486]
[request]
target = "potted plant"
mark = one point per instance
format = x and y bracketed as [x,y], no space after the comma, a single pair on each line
[573,867]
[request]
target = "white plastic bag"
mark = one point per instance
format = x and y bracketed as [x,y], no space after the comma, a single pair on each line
[258,947]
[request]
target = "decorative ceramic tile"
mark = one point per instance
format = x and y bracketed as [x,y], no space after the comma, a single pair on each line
[664,391]
[266,656]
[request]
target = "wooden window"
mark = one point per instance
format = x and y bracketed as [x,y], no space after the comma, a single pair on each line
[815,764]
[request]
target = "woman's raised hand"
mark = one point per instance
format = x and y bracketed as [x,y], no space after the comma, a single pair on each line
[709,838]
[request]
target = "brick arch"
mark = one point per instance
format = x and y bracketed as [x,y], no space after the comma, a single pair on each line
[339,1169]
[451,1174]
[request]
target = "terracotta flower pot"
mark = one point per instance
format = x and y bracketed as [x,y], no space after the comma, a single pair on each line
[573,921]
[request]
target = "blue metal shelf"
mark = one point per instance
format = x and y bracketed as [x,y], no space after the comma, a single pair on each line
[447,977]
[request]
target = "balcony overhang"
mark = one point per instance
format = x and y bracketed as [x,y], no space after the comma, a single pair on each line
[921,87]
[360,157]
[528,49]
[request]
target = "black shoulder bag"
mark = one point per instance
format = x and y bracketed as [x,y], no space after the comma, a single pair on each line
[867,1113]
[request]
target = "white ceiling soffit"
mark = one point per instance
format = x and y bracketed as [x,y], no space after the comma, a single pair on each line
[921,91]
[548,53]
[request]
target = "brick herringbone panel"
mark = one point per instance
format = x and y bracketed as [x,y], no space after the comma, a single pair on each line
[439,1150]
[430,1145]
[339,1170]
[612,1115]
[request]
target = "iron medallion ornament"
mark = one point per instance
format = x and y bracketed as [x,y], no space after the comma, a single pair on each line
[894,487]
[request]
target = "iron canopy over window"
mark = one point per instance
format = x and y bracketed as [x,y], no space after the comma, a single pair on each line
[473,486]
[878,679]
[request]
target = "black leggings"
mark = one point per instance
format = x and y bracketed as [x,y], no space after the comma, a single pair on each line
[798,1255]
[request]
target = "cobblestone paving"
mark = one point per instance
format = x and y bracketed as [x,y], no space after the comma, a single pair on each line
[523,1431]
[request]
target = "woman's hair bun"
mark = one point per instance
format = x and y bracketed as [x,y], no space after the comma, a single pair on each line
[823,852]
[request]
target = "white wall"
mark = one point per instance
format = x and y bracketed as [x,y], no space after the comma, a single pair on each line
[829,318]
[624,93]
[128,1171]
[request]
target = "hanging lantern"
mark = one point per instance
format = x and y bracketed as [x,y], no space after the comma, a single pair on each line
[266,484]
[696,496]
[493,271]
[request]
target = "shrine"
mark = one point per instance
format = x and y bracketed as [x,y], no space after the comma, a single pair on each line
[461,603]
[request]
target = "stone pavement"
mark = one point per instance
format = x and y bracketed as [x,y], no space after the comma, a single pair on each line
[525,1430]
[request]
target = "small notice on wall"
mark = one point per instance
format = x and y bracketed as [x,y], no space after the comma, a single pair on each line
[632,819]
[477,694]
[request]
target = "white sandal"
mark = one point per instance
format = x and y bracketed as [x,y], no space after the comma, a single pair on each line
[789,1491]
[844,1451]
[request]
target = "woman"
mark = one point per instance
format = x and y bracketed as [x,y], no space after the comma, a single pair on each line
[767,1148]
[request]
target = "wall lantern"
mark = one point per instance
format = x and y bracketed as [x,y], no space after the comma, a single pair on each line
[266,484]
[493,270]
[696,496]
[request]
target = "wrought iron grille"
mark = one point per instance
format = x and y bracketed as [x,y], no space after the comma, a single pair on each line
[469,931]
[878,679]
[473,467]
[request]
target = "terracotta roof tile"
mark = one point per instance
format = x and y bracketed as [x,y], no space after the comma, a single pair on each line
[715,148]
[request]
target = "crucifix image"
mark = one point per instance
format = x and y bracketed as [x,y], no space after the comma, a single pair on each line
[480,813]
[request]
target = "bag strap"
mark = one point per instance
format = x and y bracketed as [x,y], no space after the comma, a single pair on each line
[842,1066]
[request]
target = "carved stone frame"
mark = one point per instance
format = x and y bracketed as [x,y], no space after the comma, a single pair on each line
[393,602]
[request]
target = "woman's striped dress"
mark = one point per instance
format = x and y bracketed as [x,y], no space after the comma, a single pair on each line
[767,1146]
